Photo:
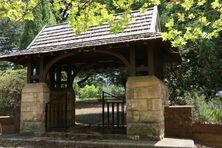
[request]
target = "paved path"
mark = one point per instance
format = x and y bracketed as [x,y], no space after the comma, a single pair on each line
[89,113]
[38,142]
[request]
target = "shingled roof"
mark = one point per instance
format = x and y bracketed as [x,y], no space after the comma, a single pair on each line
[61,37]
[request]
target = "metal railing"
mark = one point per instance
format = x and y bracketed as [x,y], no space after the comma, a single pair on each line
[113,110]
[56,114]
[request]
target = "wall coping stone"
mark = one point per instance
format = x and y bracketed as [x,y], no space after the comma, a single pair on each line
[180,106]
[4,117]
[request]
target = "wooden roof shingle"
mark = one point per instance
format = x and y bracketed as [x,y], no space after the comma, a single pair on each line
[62,37]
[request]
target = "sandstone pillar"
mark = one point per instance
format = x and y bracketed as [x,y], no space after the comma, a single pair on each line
[34,98]
[146,97]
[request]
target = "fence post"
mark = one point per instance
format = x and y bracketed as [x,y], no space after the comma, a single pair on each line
[46,117]
[103,105]
[66,112]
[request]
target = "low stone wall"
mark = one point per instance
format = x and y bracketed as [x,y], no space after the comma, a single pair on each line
[208,134]
[7,125]
[179,124]
[178,121]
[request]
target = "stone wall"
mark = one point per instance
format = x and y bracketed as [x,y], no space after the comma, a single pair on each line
[179,124]
[34,98]
[178,121]
[146,97]
[7,125]
[207,134]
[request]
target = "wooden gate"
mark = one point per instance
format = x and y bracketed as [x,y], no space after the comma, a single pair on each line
[56,115]
[113,111]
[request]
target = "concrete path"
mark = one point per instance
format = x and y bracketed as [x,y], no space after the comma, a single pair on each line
[32,142]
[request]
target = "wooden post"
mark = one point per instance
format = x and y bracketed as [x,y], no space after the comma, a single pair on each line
[41,69]
[132,62]
[151,61]
[52,77]
[69,75]
[73,73]
[58,76]
[29,71]
[159,65]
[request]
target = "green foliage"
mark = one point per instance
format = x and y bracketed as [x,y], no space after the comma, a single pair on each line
[11,84]
[189,20]
[201,60]
[192,20]
[210,111]
[89,91]
[42,16]
[83,14]
[9,36]
[109,80]
[200,70]
[17,10]
[114,90]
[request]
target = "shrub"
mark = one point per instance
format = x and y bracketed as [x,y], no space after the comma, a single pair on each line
[114,90]
[89,91]
[11,84]
[210,111]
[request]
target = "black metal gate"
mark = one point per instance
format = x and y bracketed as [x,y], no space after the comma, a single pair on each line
[113,111]
[56,115]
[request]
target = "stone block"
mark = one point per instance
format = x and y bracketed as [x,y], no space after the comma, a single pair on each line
[151,117]
[146,92]
[157,104]
[26,116]
[133,116]
[32,116]
[26,106]
[137,105]
[142,81]
[28,97]
[143,131]
[129,93]
[35,87]
[40,96]
[149,104]
[33,127]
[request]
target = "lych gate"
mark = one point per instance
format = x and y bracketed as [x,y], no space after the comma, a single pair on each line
[56,55]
